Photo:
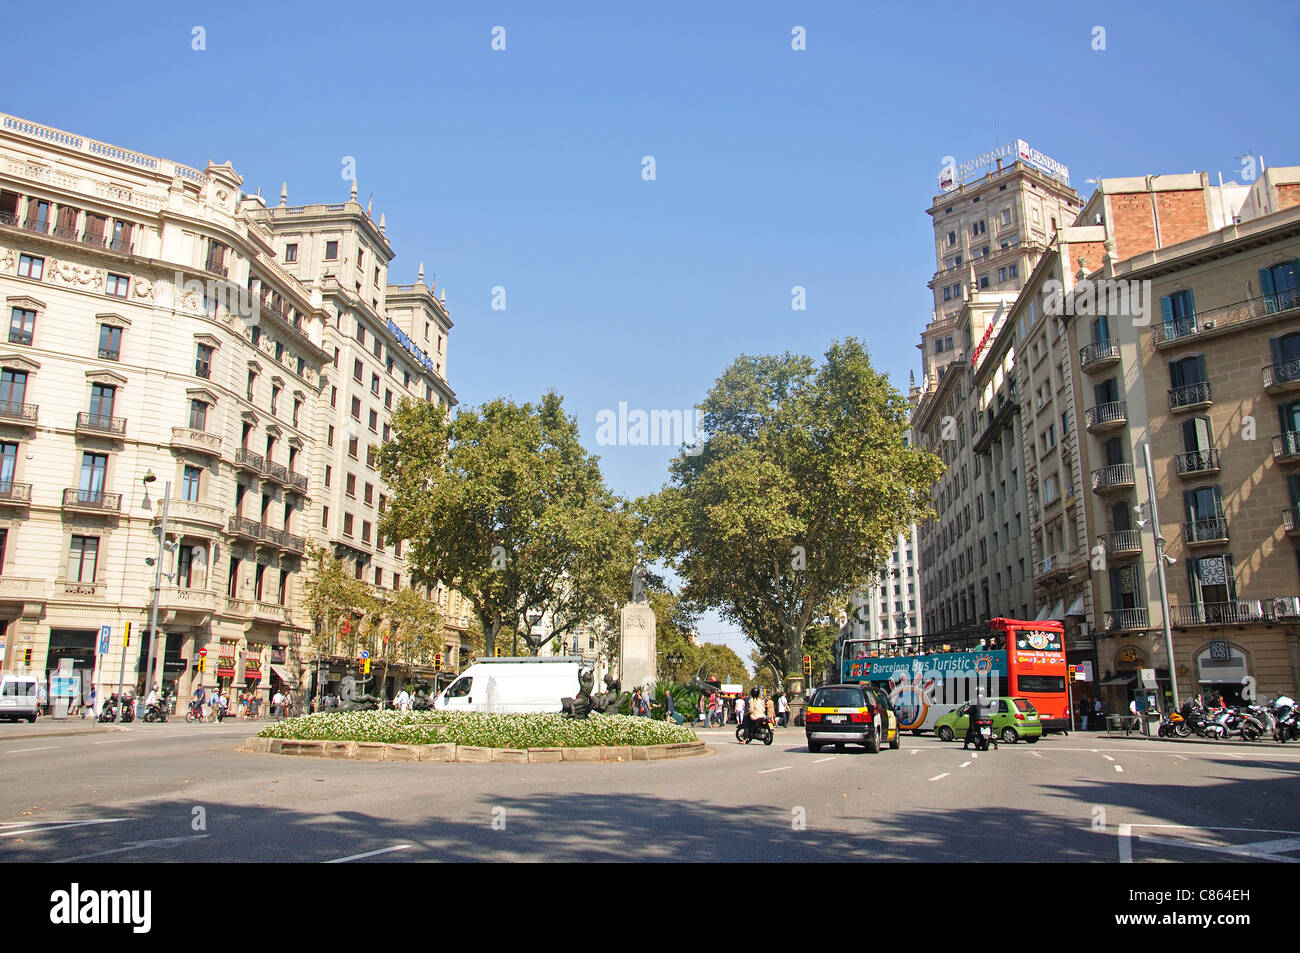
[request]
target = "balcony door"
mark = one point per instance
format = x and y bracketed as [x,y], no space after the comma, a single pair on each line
[1196,435]
[1100,330]
[101,405]
[1203,503]
[1189,370]
[1121,517]
[1125,591]
[94,470]
[1107,392]
[1279,285]
[1288,415]
[13,390]
[1114,452]
[1213,587]
[1178,311]
[8,467]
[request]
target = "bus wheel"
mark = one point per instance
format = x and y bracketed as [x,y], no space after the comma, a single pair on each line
[944,733]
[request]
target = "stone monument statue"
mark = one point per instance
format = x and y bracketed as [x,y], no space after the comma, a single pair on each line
[637,634]
[611,699]
[580,705]
[638,582]
[421,698]
[351,699]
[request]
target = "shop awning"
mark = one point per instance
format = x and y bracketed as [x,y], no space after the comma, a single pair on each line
[1058,611]
[1076,607]
[1126,679]
[1042,614]
[283,674]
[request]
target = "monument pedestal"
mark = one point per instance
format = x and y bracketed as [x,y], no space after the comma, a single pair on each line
[636,646]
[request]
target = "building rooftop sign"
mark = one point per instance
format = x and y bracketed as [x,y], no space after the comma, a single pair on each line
[407,343]
[952,176]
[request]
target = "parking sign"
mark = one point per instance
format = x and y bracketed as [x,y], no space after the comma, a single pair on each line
[104,632]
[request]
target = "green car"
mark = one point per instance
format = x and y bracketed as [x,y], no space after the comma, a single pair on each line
[1013,719]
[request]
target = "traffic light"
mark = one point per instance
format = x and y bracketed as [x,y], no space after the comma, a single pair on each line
[498,651]
[127,639]
[437,661]
[1073,673]
[365,666]
[27,656]
[807,666]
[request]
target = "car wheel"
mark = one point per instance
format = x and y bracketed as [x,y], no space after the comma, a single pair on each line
[944,733]
[897,742]
[839,747]
[872,739]
[1009,735]
[31,720]
[1032,739]
[814,747]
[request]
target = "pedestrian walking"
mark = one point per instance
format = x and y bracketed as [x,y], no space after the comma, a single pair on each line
[769,709]
[403,700]
[782,709]
[1098,715]
[714,711]
[277,704]
[740,709]
[90,700]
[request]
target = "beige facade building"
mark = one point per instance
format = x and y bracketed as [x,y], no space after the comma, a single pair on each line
[1208,379]
[990,232]
[160,326]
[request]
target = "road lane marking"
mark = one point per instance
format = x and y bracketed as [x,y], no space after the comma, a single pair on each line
[136,845]
[770,770]
[369,853]
[115,741]
[916,751]
[820,760]
[1263,850]
[21,750]
[56,827]
[1231,755]
[939,777]
[1119,769]
[964,764]
[1035,754]
[1108,757]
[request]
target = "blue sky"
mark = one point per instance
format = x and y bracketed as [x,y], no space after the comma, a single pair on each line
[774,168]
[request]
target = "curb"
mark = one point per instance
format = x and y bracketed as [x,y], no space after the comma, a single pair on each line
[375,751]
[1225,743]
[70,733]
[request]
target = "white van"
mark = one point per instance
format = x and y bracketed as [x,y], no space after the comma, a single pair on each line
[511,685]
[18,697]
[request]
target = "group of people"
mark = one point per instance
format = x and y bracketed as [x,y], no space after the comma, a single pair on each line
[715,709]
[246,704]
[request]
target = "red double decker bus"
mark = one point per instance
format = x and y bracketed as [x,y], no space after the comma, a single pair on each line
[1012,658]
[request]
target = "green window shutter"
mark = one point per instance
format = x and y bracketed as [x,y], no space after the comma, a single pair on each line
[1167,310]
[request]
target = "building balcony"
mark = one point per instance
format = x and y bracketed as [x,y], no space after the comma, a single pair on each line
[1109,416]
[16,412]
[242,528]
[1128,620]
[1190,396]
[294,544]
[1239,311]
[181,599]
[1099,355]
[196,441]
[296,481]
[100,425]
[1219,613]
[239,608]
[21,588]
[217,269]
[1122,542]
[1286,447]
[271,612]
[184,511]
[246,459]
[1206,531]
[1283,377]
[91,501]
[80,590]
[1117,476]
[15,494]
[275,472]
[1291,520]
[1197,463]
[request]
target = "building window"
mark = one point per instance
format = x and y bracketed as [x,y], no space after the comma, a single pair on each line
[329,475]
[374,384]
[365,531]
[378,348]
[117,285]
[984,280]
[329,436]
[1013,271]
[279,351]
[83,558]
[190,484]
[336,357]
[275,398]
[255,335]
[216,257]
[325,517]
[29,266]
[22,325]
[1006,216]
[977,228]
[351,485]
[1002,274]
[252,381]
[334,396]
[361,335]
[203,361]
[376,274]
[357,370]
[369,494]
[102,397]
[947,293]
[356,408]
[198,415]
[347,524]
[352,447]
[387,431]
[331,251]
[291,252]
[374,421]
[297,411]
[259,579]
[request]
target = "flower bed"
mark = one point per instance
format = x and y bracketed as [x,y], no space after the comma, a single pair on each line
[478,730]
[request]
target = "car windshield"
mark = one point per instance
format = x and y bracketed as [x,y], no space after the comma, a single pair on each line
[838,698]
[461,688]
[1023,704]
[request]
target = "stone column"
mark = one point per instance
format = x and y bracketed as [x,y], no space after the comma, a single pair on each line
[636,645]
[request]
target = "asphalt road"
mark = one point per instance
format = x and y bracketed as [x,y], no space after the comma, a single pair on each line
[180,792]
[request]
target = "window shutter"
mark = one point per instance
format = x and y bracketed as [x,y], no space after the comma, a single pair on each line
[1218,501]
[1167,310]
[1189,504]
[1266,281]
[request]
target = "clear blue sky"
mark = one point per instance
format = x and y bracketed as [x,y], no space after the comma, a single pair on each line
[774,168]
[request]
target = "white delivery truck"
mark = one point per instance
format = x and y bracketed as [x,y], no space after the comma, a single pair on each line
[515,685]
[18,697]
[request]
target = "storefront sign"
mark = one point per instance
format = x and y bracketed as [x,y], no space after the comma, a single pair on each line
[225,667]
[1130,655]
[277,656]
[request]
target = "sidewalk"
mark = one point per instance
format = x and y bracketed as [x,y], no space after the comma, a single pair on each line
[55,728]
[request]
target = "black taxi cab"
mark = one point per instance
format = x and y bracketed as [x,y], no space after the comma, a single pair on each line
[851,714]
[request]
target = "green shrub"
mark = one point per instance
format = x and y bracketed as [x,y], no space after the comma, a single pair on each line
[549,730]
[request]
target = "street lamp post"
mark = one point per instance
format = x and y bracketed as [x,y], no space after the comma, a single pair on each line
[1160,571]
[158,574]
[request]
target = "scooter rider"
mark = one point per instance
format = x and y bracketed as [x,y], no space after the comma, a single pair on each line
[977,710]
[753,712]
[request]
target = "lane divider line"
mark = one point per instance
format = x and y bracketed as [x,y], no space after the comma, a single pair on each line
[964,764]
[21,750]
[1119,769]
[784,767]
[939,777]
[820,760]
[369,853]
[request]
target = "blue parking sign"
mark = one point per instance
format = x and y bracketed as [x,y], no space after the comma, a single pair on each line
[104,632]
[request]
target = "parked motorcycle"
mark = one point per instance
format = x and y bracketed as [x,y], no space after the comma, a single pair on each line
[1287,718]
[1173,725]
[759,730]
[1199,722]
[1239,723]
[127,702]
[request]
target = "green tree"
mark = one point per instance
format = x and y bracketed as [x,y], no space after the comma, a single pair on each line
[336,603]
[721,661]
[503,502]
[796,497]
[414,628]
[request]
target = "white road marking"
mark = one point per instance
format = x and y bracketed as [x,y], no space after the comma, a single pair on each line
[56,827]
[770,770]
[916,751]
[136,845]
[820,760]
[21,750]
[1126,843]
[1231,755]
[1035,754]
[1119,769]
[1108,757]
[964,764]
[1264,850]
[369,853]
[938,777]
[976,755]
[115,741]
